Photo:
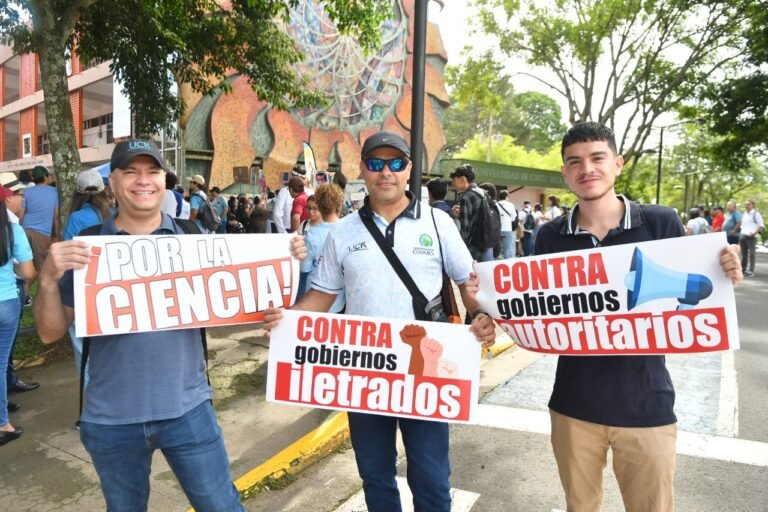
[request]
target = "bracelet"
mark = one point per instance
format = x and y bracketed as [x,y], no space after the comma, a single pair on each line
[478,313]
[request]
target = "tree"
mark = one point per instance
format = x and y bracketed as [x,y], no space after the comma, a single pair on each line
[738,107]
[620,62]
[508,152]
[155,45]
[479,82]
[479,90]
[536,121]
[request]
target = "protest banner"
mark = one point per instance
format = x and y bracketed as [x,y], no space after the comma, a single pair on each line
[148,283]
[661,297]
[402,368]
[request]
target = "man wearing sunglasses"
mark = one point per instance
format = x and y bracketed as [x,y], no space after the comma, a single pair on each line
[353,262]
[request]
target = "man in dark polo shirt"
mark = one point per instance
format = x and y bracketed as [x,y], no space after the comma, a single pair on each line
[146,391]
[620,402]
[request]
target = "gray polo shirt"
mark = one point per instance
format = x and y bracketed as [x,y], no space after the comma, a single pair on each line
[140,377]
[352,261]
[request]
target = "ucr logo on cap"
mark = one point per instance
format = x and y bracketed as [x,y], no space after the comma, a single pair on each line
[138,144]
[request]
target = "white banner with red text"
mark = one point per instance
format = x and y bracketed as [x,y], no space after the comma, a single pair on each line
[159,282]
[661,297]
[405,368]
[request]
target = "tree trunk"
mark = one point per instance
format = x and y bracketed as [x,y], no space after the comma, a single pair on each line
[50,37]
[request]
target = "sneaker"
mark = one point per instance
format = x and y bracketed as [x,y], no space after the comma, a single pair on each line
[749,273]
[28,301]
[77,425]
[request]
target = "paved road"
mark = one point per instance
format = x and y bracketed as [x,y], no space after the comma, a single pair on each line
[722,406]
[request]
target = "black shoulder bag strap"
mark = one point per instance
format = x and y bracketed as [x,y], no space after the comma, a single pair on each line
[190,228]
[90,231]
[418,297]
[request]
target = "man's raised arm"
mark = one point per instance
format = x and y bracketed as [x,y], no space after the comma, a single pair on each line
[53,318]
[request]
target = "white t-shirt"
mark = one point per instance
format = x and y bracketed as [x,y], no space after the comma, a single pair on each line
[508,214]
[169,203]
[281,211]
[697,225]
[750,222]
[186,210]
[553,213]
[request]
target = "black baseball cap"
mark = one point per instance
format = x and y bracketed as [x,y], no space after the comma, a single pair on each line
[385,139]
[127,150]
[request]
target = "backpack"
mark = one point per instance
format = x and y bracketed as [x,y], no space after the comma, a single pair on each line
[488,228]
[207,215]
[530,221]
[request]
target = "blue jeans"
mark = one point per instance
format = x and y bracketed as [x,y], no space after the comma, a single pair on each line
[9,324]
[527,243]
[508,240]
[10,374]
[192,445]
[222,226]
[426,450]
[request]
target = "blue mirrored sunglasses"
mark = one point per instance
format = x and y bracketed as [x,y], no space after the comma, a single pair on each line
[377,164]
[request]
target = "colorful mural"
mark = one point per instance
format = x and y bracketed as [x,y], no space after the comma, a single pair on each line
[365,92]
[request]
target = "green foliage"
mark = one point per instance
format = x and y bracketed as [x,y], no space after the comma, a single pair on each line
[510,153]
[479,91]
[535,122]
[479,82]
[738,107]
[619,60]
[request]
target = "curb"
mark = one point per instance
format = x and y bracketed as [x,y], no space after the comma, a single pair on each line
[325,439]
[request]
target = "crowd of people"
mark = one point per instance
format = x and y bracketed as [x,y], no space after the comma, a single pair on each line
[158,378]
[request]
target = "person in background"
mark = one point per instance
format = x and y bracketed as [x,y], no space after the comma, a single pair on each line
[219,204]
[89,207]
[467,211]
[718,218]
[529,225]
[328,200]
[553,211]
[197,198]
[185,207]
[732,223]
[13,208]
[751,224]
[315,219]
[490,195]
[173,199]
[299,212]
[437,188]
[40,219]
[696,225]
[539,218]
[14,247]
[283,206]
[259,220]
[508,215]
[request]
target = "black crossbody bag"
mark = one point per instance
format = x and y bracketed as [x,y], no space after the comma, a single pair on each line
[423,309]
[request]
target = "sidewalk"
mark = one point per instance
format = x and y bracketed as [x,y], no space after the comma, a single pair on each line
[48,468]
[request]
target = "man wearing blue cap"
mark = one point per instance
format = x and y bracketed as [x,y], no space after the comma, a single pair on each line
[146,391]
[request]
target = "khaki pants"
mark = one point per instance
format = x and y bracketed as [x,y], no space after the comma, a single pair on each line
[643,461]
